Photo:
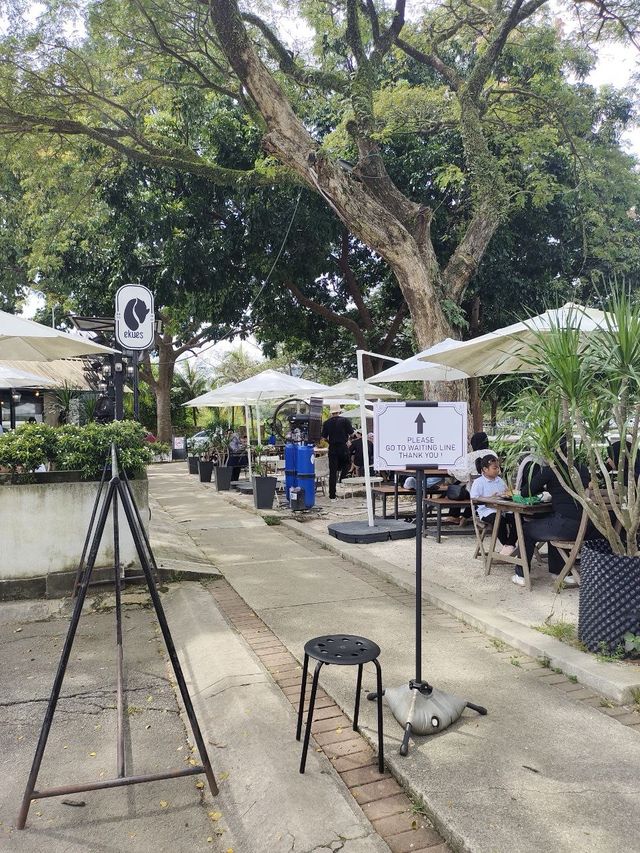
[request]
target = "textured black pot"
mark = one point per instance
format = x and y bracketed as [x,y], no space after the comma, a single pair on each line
[264,491]
[222,477]
[205,469]
[609,597]
[192,462]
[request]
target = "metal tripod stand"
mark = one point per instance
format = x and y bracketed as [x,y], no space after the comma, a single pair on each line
[118,490]
[423,696]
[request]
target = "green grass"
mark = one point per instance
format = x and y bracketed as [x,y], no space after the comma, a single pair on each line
[563,631]
[272,520]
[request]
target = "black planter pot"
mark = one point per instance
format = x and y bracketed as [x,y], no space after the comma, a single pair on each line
[222,477]
[609,597]
[205,469]
[192,462]
[264,491]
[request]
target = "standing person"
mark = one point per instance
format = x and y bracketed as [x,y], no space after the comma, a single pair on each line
[490,484]
[564,521]
[337,431]
[237,454]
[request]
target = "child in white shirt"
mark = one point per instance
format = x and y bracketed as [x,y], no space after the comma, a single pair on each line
[488,484]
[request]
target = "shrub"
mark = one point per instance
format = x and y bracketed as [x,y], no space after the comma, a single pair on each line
[27,447]
[86,448]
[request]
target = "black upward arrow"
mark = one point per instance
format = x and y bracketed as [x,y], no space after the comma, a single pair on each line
[420,423]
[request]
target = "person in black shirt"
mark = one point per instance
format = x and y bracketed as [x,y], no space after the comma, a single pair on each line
[563,523]
[337,431]
[357,453]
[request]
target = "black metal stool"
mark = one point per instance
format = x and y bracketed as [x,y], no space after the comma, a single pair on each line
[341,650]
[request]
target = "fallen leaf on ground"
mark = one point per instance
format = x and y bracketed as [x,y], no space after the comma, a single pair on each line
[199,784]
[215,815]
[164,804]
[92,754]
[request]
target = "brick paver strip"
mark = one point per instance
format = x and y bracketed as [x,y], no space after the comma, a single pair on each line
[414,840]
[376,790]
[388,806]
[380,796]
[362,776]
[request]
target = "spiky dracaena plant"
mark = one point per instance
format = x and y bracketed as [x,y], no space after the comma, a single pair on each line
[586,387]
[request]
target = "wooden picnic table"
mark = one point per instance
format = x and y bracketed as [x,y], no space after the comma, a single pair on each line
[519,511]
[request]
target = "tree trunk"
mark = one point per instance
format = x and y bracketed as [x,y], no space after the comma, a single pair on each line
[475,404]
[162,390]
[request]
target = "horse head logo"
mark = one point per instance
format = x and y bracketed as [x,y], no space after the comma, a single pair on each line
[135,313]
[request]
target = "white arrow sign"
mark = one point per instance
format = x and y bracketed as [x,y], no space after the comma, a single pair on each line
[419,435]
[135,317]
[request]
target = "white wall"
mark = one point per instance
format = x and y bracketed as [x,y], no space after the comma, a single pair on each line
[43,527]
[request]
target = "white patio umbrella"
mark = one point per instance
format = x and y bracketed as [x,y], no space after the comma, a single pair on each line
[355,387]
[506,350]
[24,340]
[11,377]
[270,385]
[414,368]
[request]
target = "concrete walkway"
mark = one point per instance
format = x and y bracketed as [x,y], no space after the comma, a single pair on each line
[547,769]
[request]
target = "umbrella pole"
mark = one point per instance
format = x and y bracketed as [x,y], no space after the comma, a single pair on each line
[259,432]
[247,420]
[365,439]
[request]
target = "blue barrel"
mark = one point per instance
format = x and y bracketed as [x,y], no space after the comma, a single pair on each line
[290,460]
[306,473]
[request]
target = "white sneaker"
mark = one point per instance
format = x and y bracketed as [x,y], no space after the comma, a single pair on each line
[570,581]
[517,580]
[507,550]
[333,499]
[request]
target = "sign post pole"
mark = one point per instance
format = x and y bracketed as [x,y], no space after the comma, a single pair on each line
[417,435]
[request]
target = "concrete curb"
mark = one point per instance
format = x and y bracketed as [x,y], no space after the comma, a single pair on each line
[616,681]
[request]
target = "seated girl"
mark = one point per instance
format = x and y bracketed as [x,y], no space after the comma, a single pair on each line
[490,484]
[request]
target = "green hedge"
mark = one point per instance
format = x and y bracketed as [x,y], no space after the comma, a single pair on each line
[75,448]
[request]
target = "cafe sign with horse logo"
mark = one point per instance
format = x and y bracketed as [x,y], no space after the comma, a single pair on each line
[135,318]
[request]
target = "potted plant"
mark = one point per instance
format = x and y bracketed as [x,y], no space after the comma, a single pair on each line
[587,392]
[264,486]
[222,471]
[205,461]
[193,453]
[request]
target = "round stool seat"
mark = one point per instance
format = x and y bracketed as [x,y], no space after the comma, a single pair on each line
[342,649]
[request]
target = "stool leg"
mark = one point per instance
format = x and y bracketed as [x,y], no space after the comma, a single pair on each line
[380,734]
[356,712]
[312,702]
[305,669]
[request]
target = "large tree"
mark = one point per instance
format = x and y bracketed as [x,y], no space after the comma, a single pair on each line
[488,79]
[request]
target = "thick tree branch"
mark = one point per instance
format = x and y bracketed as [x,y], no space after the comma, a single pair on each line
[394,328]
[351,282]
[185,160]
[301,74]
[445,71]
[325,312]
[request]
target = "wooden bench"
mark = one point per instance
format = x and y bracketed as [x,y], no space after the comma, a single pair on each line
[438,503]
[384,491]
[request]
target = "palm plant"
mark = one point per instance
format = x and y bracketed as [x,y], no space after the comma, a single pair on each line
[191,381]
[586,387]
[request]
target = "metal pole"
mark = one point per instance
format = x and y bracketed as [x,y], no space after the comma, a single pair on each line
[419,490]
[168,639]
[247,420]
[118,386]
[64,660]
[258,423]
[136,388]
[365,440]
